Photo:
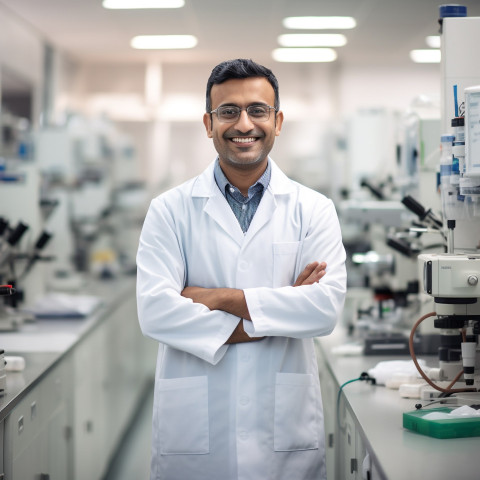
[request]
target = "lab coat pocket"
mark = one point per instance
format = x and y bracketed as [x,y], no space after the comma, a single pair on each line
[296,425]
[284,262]
[182,415]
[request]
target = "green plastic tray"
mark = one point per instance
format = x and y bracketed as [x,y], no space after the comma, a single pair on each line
[454,428]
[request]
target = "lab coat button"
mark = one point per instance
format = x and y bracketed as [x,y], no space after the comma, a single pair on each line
[244,400]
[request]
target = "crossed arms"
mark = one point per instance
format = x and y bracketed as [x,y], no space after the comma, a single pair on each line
[232,300]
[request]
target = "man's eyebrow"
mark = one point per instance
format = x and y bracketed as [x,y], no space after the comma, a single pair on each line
[231,104]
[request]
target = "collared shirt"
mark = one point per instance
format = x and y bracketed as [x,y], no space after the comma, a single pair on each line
[244,208]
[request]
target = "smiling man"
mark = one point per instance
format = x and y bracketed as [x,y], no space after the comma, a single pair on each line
[233,284]
[242,134]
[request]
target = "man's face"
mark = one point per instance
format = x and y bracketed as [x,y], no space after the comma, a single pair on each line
[243,144]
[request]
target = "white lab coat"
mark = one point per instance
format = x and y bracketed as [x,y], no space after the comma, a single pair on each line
[249,411]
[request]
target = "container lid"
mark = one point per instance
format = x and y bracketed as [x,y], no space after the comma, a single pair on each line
[452,10]
[447,138]
[458,122]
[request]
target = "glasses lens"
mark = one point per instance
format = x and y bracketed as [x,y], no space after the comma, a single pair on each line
[228,113]
[258,112]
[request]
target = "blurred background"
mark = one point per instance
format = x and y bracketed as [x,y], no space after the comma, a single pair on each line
[64,58]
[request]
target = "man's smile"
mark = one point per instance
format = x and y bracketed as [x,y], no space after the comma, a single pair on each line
[244,139]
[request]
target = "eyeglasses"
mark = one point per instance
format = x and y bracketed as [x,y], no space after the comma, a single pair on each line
[231,113]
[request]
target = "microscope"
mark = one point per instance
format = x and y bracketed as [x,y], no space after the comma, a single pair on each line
[453,278]
[15,265]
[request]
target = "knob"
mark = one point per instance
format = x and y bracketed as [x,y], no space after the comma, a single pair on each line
[472,280]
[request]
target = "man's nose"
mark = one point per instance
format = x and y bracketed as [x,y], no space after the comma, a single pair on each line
[244,124]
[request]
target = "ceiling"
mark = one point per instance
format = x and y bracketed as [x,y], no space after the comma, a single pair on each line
[386,29]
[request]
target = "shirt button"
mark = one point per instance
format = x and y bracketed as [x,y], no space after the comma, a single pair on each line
[244,207]
[243,435]
[244,400]
[232,189]
[245,358]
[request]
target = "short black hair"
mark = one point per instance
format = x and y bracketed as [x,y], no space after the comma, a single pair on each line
[240,68]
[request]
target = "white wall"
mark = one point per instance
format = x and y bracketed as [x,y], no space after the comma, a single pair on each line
[373,86]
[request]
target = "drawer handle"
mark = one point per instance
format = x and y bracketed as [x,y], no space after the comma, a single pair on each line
[20,425]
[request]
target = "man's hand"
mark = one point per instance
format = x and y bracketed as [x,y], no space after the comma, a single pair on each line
[240,336]
[226,299]
[312,273]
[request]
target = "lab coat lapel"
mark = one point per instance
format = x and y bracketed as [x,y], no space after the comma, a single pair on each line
[263,214]
[279,184]
[217,206]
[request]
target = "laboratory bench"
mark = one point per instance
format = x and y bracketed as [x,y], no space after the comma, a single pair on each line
[64,415]
[366,439]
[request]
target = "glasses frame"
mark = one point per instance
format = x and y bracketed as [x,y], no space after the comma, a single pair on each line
[255,120]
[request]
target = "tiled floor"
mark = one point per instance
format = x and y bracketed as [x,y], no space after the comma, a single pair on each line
[132,460]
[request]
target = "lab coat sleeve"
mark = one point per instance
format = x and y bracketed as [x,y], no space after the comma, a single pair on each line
[309,310]
[163,313]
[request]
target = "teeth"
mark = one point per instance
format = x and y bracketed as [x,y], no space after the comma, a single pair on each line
[243,139]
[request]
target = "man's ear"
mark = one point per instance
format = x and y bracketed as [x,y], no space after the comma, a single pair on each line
[278,123]
[207,121]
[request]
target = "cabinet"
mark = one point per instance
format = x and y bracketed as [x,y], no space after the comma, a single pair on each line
[346,448]
[2,471]
[69,423]
[89,426]
[329,390]
[37,431]
[110,378]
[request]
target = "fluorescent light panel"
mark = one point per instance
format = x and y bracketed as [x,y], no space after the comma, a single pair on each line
[433,41]
[312,40]
[163,42]
[304,55]
[134,4]
[319,23]
[425,56]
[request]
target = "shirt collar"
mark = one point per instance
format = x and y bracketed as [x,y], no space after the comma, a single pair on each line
[223,183]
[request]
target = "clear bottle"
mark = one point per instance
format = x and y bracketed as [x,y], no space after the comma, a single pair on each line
[446,158]
[452,201]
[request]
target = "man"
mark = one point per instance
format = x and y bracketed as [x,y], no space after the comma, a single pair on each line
[230,286]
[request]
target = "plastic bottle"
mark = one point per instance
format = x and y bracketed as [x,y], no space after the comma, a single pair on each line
[446,158]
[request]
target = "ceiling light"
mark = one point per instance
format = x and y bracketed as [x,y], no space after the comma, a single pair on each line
[425,56]
[312,40]
[132,4]
[433,41]
[304,55]
[319,23]
[163,42]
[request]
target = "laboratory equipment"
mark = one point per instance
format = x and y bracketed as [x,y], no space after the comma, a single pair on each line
[10,317]
[3,374]
[4,290]
[452,278]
